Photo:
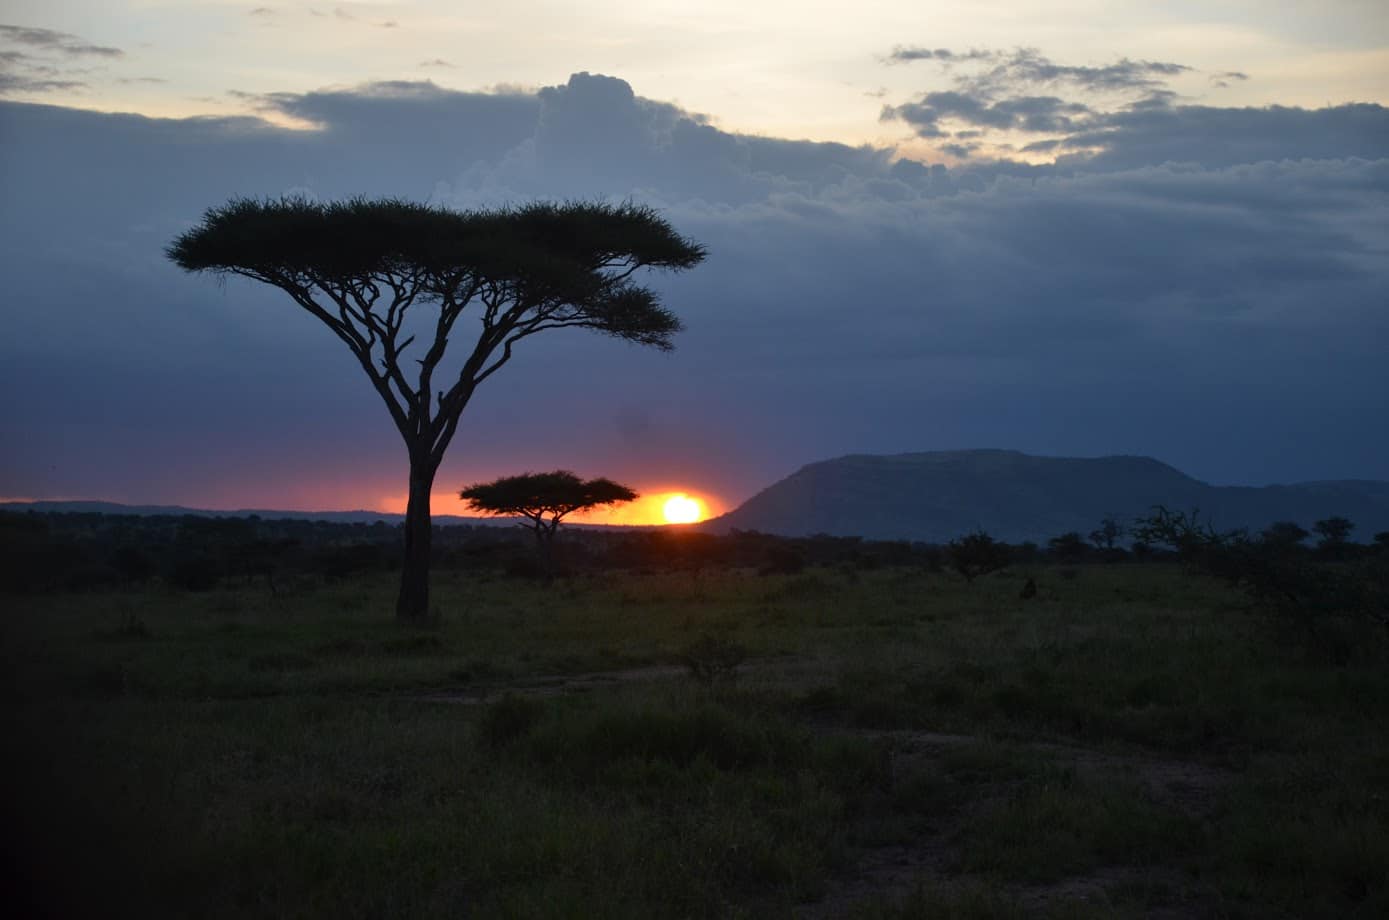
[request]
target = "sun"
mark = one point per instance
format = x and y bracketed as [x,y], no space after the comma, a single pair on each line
[681,509]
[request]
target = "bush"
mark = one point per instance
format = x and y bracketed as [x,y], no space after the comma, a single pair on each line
[977,554]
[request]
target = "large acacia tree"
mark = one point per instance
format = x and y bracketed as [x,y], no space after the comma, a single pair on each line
[396,282]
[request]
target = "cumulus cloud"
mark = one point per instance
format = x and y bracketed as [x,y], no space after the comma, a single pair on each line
[1151,292]
[999,90]
[1093,128]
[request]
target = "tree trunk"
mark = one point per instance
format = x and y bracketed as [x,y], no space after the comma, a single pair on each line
[413,604]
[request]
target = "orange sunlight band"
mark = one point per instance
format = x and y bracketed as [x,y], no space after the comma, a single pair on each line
[651,508]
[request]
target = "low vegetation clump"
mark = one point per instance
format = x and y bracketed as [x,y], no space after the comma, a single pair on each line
[1139,740]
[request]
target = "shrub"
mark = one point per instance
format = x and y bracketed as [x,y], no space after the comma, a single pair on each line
[977,554]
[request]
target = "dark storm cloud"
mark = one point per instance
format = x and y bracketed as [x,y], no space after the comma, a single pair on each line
[1227,136]
[1200,286]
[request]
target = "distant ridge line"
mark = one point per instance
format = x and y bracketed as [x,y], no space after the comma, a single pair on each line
[50,506]
[935,496]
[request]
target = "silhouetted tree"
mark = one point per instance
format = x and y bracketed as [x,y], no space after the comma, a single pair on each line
[1107,534]
[543,499]
[977,554]
[1334,533]
[1284,534]
[1181,531]
[1068,547]
[367,270]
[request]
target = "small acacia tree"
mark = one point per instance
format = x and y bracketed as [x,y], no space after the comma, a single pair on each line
[394,279]
[543,499]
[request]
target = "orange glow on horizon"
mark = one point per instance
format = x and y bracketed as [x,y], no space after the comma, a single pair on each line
[648,510]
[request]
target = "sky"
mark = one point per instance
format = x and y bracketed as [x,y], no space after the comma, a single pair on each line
[1071,228]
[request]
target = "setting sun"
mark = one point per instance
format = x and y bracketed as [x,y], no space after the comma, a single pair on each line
[681,509]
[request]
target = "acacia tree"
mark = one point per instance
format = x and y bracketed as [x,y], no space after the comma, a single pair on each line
[543,499]
[393,279]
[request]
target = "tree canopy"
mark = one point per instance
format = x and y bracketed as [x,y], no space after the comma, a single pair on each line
[362,267]
[544,499]
[383,273]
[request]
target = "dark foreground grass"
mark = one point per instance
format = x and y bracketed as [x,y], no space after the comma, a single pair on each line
[1132,742]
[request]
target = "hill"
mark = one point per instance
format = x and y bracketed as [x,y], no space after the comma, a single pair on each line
[1014,496]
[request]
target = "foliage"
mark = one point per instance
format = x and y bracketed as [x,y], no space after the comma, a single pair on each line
[977,554]
[1285,534]
[1325,601]
[543,499]
[1335,534]
[366,269]
[1068,547]
[1108,534]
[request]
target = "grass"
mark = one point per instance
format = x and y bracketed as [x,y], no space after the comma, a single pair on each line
[895,744]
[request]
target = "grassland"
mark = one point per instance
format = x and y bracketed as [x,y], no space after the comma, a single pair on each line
[1132,742]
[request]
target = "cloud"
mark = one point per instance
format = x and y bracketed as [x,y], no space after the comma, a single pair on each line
[56,42]
[1147,122]
[15,83]
[436,62]
[1028,66]
[999,91]
[46,62]
[1204,285]
[1228,136]
[1225,77]
[904,54]
[1023,113]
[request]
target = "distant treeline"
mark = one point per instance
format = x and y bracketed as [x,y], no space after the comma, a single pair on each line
[67,551]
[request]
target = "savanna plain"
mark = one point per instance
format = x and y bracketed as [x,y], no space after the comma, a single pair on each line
[1134,740]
